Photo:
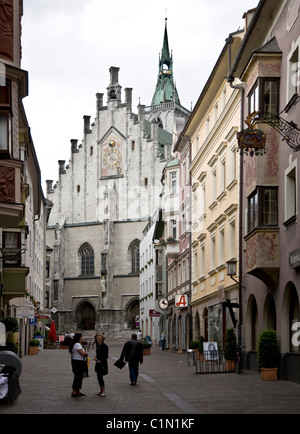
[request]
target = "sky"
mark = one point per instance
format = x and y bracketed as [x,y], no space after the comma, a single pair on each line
[68,47]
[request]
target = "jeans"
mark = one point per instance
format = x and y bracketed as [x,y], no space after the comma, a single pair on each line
[133,371]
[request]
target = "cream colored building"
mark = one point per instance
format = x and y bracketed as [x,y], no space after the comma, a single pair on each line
[212,130]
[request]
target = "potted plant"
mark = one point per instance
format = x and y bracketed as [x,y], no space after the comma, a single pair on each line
[200,348]
[230,349]
[33,347]
[268,355]
[193,345]
[65,344]
[146,348]
[11,327]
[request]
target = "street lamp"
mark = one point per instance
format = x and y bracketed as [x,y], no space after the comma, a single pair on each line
[231,267]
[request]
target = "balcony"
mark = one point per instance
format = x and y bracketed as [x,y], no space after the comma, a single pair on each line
[172,249]
[11,206]
[262,255]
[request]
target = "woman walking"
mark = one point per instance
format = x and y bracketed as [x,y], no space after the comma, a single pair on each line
[101,366]
[78,360]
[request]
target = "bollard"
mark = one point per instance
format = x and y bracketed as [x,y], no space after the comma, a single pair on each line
[191,358]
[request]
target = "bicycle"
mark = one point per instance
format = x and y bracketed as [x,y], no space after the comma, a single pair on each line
[239,361]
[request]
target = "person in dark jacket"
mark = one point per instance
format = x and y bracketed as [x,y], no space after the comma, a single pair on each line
[133,354]
[101,366]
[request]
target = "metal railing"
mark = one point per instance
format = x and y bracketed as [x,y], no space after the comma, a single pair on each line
[213,362]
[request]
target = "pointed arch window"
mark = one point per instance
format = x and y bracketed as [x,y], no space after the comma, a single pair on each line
[134,251]
[87,257]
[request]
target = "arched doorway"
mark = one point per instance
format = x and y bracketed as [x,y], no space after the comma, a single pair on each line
[85,316]
[131,312]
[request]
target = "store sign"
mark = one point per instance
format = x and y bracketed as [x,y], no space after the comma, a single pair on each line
[153,313]
[294,259]
[25,312]
[181,301]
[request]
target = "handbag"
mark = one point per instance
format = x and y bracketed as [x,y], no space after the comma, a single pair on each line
[119,364]
[100,368]
[85,368]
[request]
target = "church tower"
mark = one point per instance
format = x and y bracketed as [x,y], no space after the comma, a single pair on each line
[166,109]
[165,88]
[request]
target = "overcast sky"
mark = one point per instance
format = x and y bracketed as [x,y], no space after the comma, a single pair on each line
[68,47]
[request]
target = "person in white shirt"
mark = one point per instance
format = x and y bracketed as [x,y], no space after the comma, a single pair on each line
[78,356]
[139,335]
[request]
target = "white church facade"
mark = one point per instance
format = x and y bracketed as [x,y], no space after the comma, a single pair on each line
[104,197]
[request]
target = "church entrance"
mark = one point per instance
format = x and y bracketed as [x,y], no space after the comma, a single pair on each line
[85,316]
[132,314]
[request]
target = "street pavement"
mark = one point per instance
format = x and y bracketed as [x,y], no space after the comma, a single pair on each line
[166,387]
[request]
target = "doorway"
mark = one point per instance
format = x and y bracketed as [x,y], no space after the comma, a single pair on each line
[85,316]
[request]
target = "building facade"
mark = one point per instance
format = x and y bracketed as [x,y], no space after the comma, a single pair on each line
[267,63]
[20,188]
[102,202]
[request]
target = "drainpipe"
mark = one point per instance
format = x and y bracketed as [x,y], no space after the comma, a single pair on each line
[230,80]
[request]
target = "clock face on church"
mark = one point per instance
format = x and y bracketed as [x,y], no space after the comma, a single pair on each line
[112,158]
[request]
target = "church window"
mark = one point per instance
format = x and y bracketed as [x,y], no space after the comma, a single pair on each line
[135,256]
[91,151]
[86,253]
[133,145]
[78,188]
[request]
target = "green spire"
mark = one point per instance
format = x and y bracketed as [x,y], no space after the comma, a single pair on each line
[165,88]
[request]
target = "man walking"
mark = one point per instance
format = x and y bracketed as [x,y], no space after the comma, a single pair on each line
[133,353]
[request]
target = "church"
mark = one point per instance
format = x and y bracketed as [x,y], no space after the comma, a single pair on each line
[105,195]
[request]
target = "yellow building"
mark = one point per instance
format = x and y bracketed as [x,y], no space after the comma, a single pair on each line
[212,130]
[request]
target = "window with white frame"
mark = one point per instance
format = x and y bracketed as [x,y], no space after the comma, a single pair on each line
[232,162]
[195,265]
[293,71]
[231,238]
[173,182]
[290,190]
[222,173]
[221,247]
[202,201]
[214,184]
[213,251]
[202,260]
[173,228]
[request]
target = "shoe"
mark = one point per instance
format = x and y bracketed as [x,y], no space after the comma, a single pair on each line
[102,394]
[81,394]
[133,383]
[75,395]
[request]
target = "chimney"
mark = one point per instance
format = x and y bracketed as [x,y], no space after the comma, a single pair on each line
[86,124]
[141,116]
[99,100]
[114,75]
[61,168]
[74,148]
[49,186]
[128,99]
